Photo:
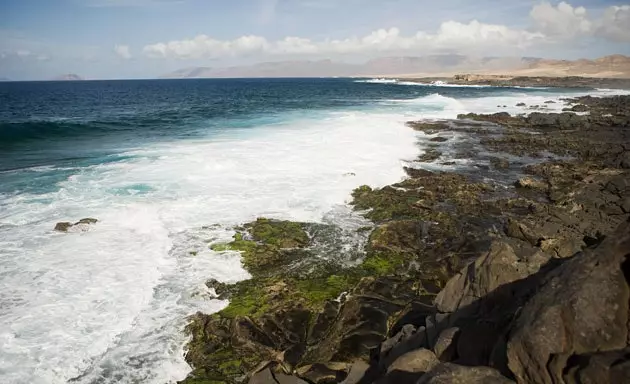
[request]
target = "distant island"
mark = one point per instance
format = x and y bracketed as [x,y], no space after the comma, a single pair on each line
[614,66]
[68,77]
[4,79]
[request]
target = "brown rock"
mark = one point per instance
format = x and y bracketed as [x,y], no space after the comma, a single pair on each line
[418,361]
[581,308]
[448,373]
[63,227]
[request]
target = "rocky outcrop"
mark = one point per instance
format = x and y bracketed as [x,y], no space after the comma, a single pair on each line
[581,308]
[80,226]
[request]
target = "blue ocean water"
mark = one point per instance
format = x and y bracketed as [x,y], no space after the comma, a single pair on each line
[168,167]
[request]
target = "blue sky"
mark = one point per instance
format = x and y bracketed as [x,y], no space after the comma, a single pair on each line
[40,39]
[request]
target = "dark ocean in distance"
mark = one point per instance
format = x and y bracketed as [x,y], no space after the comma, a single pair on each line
[168,167]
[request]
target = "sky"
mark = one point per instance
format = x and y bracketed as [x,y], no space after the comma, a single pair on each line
[106,39]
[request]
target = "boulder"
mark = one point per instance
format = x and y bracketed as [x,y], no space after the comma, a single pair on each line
[418,361]
[581,308]
[448,373]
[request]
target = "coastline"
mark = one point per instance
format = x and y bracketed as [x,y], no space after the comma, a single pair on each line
[512,215]
[523,81]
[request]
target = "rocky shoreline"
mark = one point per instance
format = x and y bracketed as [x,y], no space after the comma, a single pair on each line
[515,269]
[529,81]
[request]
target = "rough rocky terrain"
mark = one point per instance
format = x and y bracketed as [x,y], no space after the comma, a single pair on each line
[515,269]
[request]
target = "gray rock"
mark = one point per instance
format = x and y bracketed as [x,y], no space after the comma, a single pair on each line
[581,308]
[448,373]
[446,346]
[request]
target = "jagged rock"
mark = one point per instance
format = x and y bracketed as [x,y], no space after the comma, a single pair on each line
[521,104]
[581,308]
[439,139]
[446,346]
[497,267]
[448,373]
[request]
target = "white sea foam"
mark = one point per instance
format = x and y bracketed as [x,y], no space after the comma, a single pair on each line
[108,305]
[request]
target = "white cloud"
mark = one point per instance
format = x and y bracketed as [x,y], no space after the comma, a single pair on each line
[205,46]
[450,35]
[123,51]
[615,24]
[553,24]
[563,21]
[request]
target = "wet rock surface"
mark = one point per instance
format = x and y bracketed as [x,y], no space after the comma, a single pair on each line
[518,271]
[80,226]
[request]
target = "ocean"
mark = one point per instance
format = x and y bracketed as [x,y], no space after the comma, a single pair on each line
[169,167]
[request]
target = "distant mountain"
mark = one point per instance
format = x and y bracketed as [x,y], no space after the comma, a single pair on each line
[607,66]
[68,77]
[409,66]
[384,66]
[4,79]
[303,68]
